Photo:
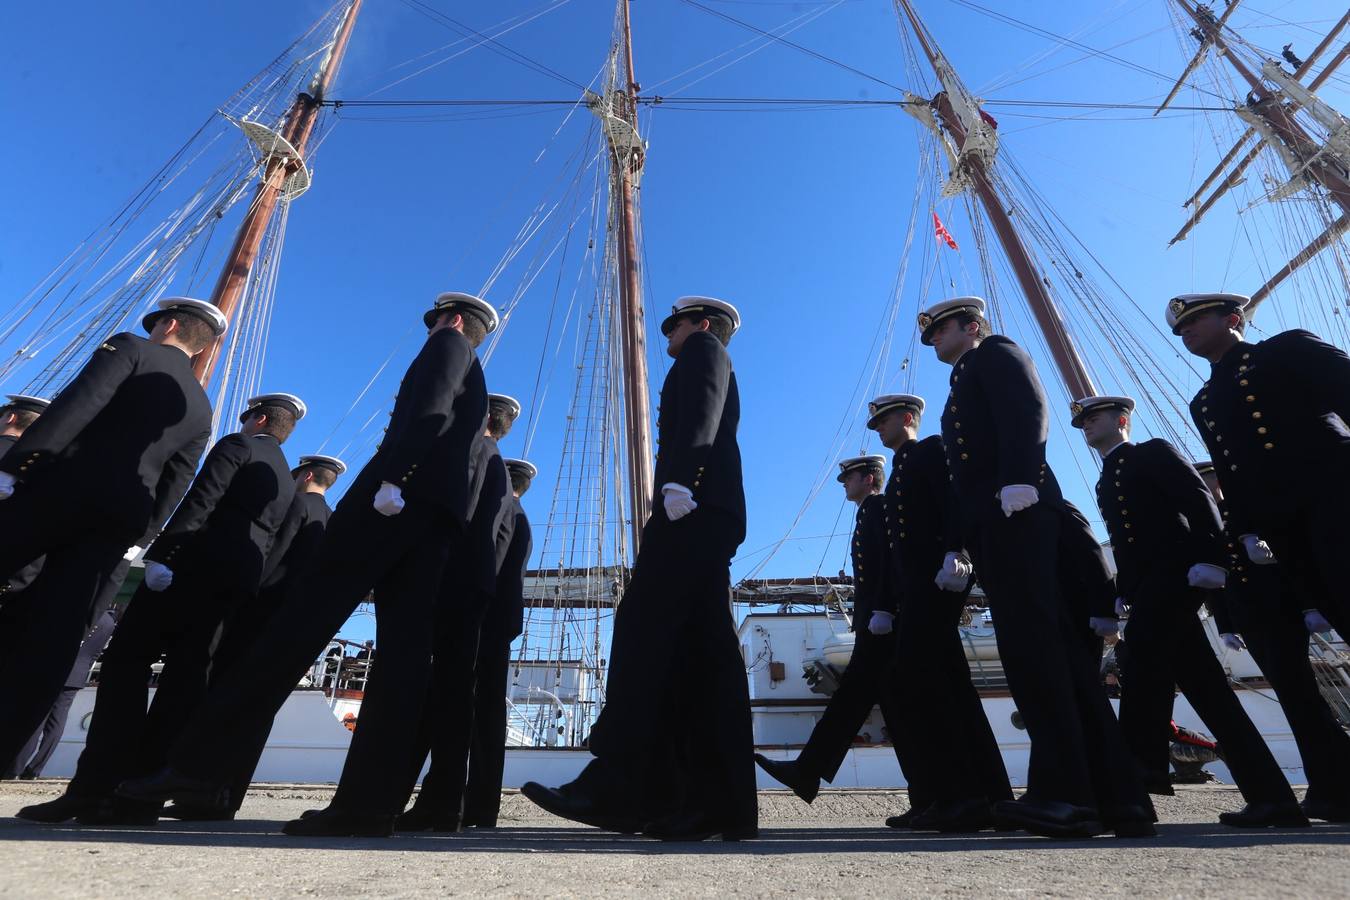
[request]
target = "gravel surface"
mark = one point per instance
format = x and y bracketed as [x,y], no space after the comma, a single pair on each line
[837,847]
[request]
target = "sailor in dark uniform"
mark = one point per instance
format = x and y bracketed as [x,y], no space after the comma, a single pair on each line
[1270,413]
[118,445]
[994,426]
[297,542]
[929,577]
[467,591]
[1169,551]
[867,680]
[206,563]
[16,415]
[1267,618]
[504,622]
[391,533]
[675,619]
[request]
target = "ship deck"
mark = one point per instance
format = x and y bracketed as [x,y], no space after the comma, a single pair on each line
[836,847]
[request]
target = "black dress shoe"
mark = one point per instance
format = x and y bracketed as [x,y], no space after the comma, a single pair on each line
[1266,815]
[1130,821]
[471,821]
[699,827]
[1159,785]
[1049,818]
[334,822]
[417,819]
[186,812]
[1326,810]
[957,816]
[904,820]
[120,811]
[62,809]
[789,772]
[570,802]
[168,784]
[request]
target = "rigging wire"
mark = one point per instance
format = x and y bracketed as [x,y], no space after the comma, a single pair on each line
[490,42]
[782,40]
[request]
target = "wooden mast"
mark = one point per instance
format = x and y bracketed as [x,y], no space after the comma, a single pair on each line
[1269,105]
[296,130]
[627,164]
[1071,367]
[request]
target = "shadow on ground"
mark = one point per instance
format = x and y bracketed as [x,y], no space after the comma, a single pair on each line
[265,834]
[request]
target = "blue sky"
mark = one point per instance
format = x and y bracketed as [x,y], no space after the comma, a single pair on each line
[798,217]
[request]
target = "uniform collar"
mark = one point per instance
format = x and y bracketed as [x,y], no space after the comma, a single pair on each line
[1107,454]
[1232,354]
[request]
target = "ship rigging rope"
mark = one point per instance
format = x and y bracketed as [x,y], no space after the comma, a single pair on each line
[760,43]
[812,102]
[785,42]
[1062,39]
[869,375]
[490,43]
[501,28]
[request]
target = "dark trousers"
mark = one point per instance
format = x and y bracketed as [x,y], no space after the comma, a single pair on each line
[1168,649]
[180,624]
[34,757]
[688,745]
[42,642]
[1278,641]
[867,681]
[447,719]
[1077,753]
[237,635]
[487,752]
[961,753]
[400,558]
[464,727]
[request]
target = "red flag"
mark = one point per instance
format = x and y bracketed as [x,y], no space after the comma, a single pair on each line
[943,235]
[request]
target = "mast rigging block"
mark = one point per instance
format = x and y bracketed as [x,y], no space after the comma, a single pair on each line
[624,140]
[271,145]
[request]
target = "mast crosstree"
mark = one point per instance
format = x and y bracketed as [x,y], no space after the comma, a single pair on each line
[1270,109]
[285,175]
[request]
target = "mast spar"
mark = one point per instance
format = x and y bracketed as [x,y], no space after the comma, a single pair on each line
[618,111]
[285,176]
[976,143]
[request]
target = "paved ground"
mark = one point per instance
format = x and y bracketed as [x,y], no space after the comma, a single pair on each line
[835,848]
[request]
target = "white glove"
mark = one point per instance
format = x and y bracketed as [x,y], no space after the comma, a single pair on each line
[679,501]
[1232,642]
[132,553]
[158,576]
[1017,497]
[954,574]
[6,485]
[1121,607]
[881,622]
[1104,626]
[1203,575]
[1258,551]
[1315,622]
[389,499]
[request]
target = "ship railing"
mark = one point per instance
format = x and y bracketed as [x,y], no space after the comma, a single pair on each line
[517,716]
[1331,667]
